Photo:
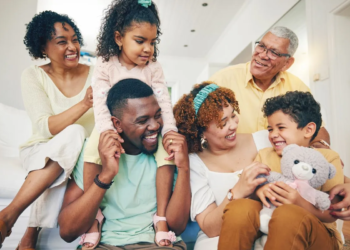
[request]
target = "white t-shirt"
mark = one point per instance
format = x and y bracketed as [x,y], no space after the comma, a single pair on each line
[208,187]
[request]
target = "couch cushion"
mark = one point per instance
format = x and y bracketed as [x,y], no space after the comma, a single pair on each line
[11,178]
[15,129]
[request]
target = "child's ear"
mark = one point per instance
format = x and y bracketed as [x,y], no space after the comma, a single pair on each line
[118,38]
[117,124]
[310,130]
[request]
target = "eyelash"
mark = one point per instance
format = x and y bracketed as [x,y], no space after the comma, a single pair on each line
[141,42]
[233,116]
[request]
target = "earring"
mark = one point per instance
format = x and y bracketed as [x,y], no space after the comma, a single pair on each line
[120,47]
[45,56]
[204,143]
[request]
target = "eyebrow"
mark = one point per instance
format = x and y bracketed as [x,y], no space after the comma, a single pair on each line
[226,116]
[146,116]
[60,37]
[141,37]
[272,48]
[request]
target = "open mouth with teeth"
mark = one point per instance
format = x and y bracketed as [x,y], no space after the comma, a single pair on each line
[231,136]
[261,64]
[279,144]
[71,56]
[151,139]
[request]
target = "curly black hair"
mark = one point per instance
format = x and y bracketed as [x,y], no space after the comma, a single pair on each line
[191,125]
[119,16]
[300,106]
[41,29]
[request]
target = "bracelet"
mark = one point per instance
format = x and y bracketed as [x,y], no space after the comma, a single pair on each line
[101,184]
[323,142]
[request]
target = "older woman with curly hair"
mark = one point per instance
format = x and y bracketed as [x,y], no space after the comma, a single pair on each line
[221,161]
[58,99]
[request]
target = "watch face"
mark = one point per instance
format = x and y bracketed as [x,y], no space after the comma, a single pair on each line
[229,196]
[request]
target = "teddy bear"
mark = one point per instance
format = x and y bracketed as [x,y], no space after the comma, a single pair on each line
[304,169]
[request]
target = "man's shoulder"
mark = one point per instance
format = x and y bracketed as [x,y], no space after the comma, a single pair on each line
[295,82]
[234,73]
[329,154]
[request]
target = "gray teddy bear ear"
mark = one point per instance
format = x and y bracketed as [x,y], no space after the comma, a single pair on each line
[332,171]
[289,147]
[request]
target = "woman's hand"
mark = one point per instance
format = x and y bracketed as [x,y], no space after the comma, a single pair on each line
[88,98]
[284,194]
[248,182]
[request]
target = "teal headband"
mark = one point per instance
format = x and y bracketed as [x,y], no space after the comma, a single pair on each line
[145,3]
[202,95]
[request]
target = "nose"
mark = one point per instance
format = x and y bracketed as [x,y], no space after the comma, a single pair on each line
[273,134]
[153,125]
[263,55]
[304,167]
[147,48]
[71,46]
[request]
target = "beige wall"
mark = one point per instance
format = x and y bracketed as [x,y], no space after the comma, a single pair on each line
[14,14]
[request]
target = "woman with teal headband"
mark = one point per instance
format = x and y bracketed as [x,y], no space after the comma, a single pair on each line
[221,161]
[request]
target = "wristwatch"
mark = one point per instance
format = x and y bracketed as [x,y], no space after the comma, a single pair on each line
[230,195]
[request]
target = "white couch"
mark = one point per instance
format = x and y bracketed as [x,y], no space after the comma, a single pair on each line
[15,128]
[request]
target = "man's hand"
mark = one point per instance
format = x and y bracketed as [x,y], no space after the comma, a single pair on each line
[176,143]
[110,149]
[342,190]
[284,194]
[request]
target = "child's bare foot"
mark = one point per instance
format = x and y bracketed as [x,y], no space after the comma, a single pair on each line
[29,238]
[162,226]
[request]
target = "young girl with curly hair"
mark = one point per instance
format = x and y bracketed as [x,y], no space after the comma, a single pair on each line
[127,48]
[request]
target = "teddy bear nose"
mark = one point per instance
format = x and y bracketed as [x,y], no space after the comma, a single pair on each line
[314,171]
[296,161]
[305,167]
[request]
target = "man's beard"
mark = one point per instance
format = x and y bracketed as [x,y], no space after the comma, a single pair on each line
[148,152]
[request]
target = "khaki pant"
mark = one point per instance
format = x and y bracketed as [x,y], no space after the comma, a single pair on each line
[291,227]
[143,245]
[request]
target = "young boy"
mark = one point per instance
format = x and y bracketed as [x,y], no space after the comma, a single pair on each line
[295,118]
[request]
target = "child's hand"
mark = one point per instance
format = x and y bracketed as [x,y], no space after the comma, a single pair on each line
[167,138]
[266,192]
[284,194]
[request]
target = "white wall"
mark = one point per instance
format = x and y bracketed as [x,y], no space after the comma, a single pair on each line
[14,14]
[253,20]
[328,36]
[183,71]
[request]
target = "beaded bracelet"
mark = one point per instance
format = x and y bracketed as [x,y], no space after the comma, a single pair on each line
[101,184]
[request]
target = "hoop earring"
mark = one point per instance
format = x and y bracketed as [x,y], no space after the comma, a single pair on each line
[204,143]
[120,47]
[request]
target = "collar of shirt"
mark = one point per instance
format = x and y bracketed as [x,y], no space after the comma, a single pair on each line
[249,78]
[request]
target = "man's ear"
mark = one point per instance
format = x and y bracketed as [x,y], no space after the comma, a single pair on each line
[117,124]
[118,38]
[310,130]
[288,64]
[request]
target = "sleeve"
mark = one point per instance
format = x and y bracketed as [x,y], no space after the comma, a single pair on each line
[100,86]
[161,154]
[258,157]
[334,159]
[36,102]
[161,92]
[202,194]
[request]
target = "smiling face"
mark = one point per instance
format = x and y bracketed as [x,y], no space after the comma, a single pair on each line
[137,44]
[64,48]
[140,125]
[225,137]
[262,67]
[283,131]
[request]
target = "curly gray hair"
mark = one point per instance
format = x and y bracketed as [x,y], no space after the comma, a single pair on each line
[284,32]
